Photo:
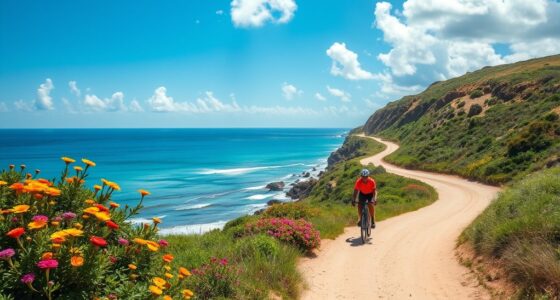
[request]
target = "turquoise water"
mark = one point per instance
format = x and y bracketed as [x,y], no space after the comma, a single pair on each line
[199,178]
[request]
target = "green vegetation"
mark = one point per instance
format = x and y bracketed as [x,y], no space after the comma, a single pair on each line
[522,229]
[493,125]
[266,265]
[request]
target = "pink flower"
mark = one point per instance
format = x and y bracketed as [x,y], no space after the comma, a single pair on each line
[163,243]
[48,264]
[28,278]
[40,218]
[7,254]
[123,242]
[68,215]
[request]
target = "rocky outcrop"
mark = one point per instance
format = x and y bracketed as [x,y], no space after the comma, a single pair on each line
[273,202]
[302,189]
[276,186]
[385,117]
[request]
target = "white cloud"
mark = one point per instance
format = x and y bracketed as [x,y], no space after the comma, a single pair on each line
[289,91]
[219,12]
[68,106]
[255,13]
[439,39]
[135,106]
[345,63]
[74,88]
[160,102]
[44,100]
[279,110]
[3,107]
[344,96]
[320,97]
[113,104]
[23,106]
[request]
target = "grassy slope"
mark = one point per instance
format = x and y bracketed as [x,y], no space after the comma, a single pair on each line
[522,229]
[509,140]
[329,212]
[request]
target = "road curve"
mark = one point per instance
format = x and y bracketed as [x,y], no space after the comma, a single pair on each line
[410,256]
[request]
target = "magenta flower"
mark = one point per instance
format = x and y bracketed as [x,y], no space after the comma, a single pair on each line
[40,218]
[68,215]
[48,264]
[123,242]
[57,219]
[7,254]
[163,243]
[28,278]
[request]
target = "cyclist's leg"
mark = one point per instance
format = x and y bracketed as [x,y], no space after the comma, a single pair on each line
[360,207]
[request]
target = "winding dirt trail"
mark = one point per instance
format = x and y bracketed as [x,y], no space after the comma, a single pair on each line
[410,256]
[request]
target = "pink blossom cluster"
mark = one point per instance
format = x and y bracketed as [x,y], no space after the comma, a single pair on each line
[298,232]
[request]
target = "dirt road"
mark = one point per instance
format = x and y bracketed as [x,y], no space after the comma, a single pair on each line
[410,256]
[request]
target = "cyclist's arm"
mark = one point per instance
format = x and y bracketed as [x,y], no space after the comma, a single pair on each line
[355,195]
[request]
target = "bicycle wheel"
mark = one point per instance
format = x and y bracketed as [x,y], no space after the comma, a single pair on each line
[363,230]
[368,227]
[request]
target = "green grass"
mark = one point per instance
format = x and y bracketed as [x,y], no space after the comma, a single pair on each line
[522,229]
[262,273]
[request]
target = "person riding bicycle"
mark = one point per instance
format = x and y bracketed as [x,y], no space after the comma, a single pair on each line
[365,187]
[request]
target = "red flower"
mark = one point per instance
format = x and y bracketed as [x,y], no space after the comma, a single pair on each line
[16,233]
[98,241]
[112,225]
[101,207]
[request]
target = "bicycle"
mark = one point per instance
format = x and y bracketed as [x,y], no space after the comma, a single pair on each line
[365,224]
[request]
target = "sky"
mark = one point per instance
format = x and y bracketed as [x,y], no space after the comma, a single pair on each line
[247,63]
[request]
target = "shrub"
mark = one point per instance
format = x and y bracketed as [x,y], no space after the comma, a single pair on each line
[215,279]
[295,210]
[261,244]
[461,104]
[476,93]
[61,240]
[300,233]
[474,110]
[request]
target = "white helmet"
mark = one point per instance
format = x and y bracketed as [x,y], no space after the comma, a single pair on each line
[365,172]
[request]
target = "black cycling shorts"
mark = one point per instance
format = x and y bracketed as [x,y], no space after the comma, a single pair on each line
[363,198]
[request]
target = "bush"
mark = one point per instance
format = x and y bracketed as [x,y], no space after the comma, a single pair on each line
[461,104]
[474,110]
[261,244]
[476,93]
[295,210]
[61,240]
[215,279]
[299,233]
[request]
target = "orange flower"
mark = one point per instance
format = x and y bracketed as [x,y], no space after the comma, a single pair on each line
[114,185]
[143,192]
[47,255]
[38,196]
[44,181]
[96,187]
[152,246]
[156,220]
[187,294]
[67,160]
[155,290]
[18,186]
[19,209]
[37,224]
[184,272]
[53,192]
[132,266]
[168,275]
[159,282]
[105,181]
[140,241]
[78,226]
[90,202]
[88,162]
[69,179]
[114,205]
[92,210]
[168,258]
[77,261]
[78,168]
[167,297]
[55,223]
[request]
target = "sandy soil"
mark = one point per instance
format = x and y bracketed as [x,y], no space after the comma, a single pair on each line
[410,256]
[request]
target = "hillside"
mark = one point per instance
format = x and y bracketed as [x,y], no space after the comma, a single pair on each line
[493,125]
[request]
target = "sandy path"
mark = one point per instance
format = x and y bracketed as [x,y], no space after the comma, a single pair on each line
[410,256]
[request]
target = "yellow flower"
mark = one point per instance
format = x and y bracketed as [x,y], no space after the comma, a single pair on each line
[78,168]
[156,220]
[167,297]
[90,202]
[105,181]
[67,160]
[53,191]
[56,246]
[19,209]
[184,272]
[78,226]
[167,268]
[140,241]
[155,290]
[2,182]
[153,246]
[96,187]
[114,185]
[103,216]
[92,210]
[132,266]
[55,223]
[59,236]
[77,261]
[187,294]
[73,232]
[88,162]
[168,275]
[36,224]
[159,282]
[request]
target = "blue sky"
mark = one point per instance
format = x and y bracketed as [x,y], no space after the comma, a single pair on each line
[246,63]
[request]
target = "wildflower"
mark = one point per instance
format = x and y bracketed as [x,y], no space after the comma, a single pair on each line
[38,222]
[11,167]
[91,210]
[55,223]
[78,168]
[101,207]
[7,254]
[184,272]
[47,255]
[88,162]
[77,261]
[38,196]
[98,241]
[37,171]
[114,185]
[187,294]
[22,167]
[54,192]
[156,220]
[103,216]
[73,232]
[144,193]
[96,187]
[68,215]
[168,275]
[19,209]
[168,258]
[155,290]
[114,205]
[78,225]
[132,266]
[167,268]
[113,259]
[123,242]
[89,201]
[18,187]
[140,241]
[48,264]
[163,243]
[159,282]
[2,182]
[105,181]
[16,233]
[152,246]
[167,297]
[67,160]
[112,225]
[28,278]
[56,246]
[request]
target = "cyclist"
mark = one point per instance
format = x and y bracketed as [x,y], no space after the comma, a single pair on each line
[366,188]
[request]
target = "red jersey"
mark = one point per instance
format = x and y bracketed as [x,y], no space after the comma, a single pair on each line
[365,188]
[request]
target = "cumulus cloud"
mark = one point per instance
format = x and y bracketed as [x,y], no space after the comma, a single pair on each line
[74,88]
[160,102]
[289,91]
[135,106]
[23,106]
[113,104]
[320,97]
[438,39]
[255,13]
[44,100]
[345,63]
[344,96]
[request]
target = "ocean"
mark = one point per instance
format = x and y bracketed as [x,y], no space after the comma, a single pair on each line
[198,178]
